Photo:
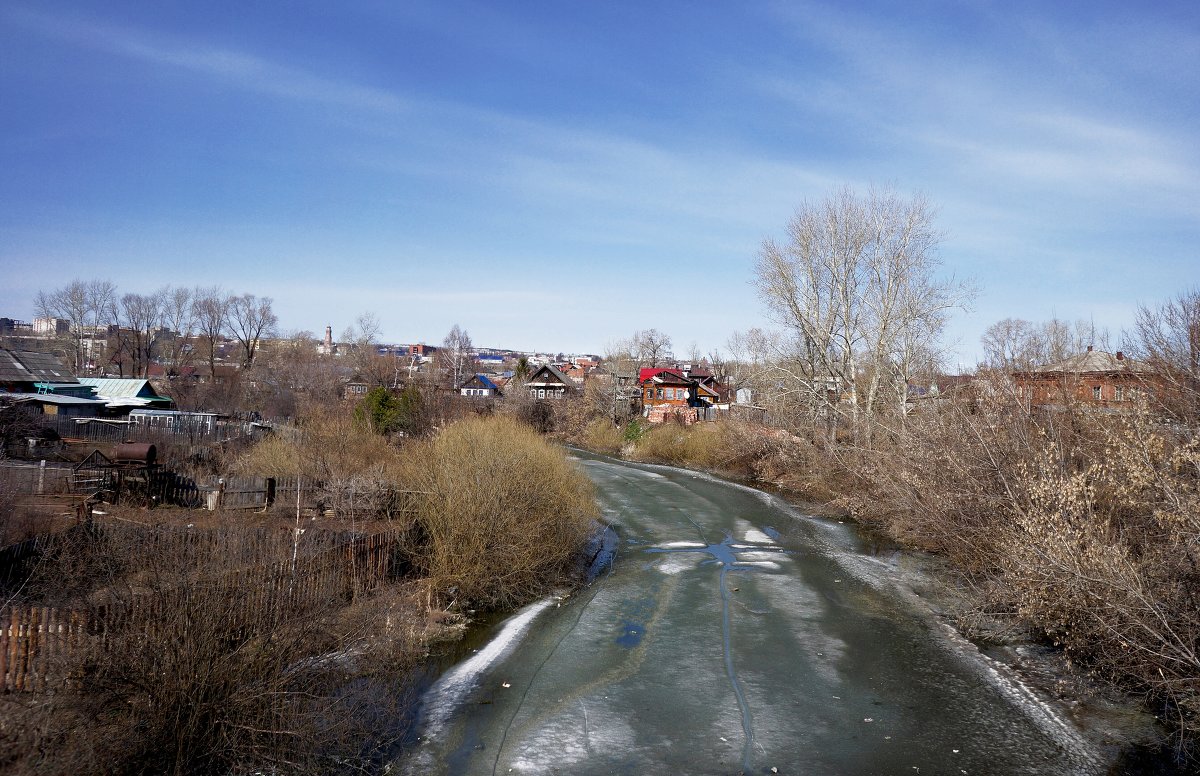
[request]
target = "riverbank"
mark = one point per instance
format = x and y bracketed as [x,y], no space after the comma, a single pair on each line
[1132,739]
[734,633]
[172,640]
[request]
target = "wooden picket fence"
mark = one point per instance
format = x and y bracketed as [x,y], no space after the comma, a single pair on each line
[32,639]
[35,641]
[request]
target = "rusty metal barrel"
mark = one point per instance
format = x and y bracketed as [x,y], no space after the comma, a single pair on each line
[134,452]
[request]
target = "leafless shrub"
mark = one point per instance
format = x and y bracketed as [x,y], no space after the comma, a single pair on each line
[1085,524]
[326,445]
[602,436]
[507,512]
[206,657]
[703,445]
[1105,555]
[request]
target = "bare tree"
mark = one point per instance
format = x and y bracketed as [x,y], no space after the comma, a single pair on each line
[616,388]
[179,318]
[457,355]
[88,307]
[1168,338]
[1014,344]
[250,319]
[855,285]
[362,338]
[210,310]
[778,368]
[1009,345]
[651,346]
[294,376]
[141,314]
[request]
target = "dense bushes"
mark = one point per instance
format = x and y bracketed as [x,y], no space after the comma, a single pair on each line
[702,445]
[506,514]
[767,456]
[502,511]
[1085,524]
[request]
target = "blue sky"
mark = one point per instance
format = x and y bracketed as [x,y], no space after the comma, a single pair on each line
[557,175]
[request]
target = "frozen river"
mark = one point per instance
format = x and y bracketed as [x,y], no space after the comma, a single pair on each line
[732,635]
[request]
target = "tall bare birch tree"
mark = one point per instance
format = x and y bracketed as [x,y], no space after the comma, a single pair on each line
[457,355]
[179,319]
[855,286]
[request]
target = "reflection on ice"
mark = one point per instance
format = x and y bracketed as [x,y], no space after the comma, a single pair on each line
[756,536]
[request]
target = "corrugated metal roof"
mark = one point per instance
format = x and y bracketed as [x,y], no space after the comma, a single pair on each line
[120,387]
[52,398]
[27,366]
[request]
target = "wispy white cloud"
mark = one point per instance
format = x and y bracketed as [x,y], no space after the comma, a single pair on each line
[234,68]
[997,112]
[1073,152]
[537,158]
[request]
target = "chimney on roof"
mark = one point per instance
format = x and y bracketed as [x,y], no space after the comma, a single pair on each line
[1120,356]
[1089,348]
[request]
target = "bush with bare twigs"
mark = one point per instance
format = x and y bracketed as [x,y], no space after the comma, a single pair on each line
[507,513]
[203,656]
[1084,524]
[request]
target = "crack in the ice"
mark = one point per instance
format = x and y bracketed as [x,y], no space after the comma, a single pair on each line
[725,554]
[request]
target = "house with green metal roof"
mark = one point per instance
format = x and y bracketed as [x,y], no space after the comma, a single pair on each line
[121,393]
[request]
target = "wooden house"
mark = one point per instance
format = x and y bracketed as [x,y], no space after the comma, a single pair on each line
[666,387]
[549,382]
[41,380]
[479,387]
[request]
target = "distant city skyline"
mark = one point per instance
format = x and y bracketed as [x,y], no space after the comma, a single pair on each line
[557,177]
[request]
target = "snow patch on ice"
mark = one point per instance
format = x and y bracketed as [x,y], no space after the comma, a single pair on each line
[760,564]
[1036,708]
[445,696]
[757,537]
[677,562]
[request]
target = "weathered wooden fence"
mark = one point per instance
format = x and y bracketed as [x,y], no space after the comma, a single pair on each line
[16,559]
[239,493]
[264,576]
[33,639]
[286,493]
[41,482]
[115,431]
[52,477]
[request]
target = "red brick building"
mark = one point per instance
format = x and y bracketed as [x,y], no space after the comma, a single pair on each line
[1093,378]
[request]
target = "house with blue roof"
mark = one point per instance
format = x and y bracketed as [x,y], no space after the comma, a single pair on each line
[479,387]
